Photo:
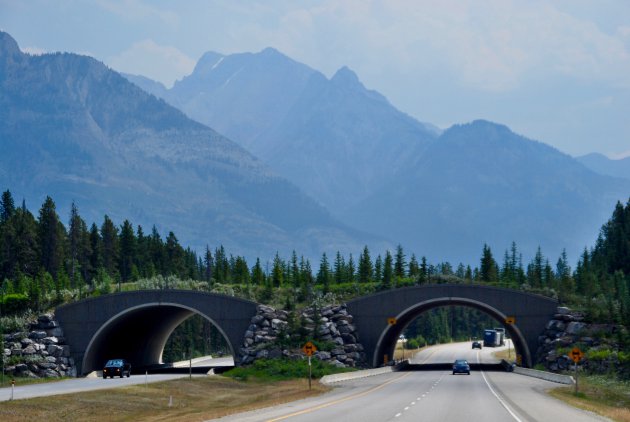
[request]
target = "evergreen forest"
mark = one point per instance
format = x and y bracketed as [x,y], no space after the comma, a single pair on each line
[46,261]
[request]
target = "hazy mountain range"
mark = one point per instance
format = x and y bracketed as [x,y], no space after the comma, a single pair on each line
[333,138]
[75,130]
[601,164]
[316,163]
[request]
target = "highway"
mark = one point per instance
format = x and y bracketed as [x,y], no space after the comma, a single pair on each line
[95,382]
[431,396]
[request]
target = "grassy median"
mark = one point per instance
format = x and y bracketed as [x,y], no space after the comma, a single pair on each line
[185,399]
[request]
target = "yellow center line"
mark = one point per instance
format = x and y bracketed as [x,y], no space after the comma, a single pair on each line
[321,406]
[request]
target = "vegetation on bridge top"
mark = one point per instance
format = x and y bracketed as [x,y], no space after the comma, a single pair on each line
[44,263]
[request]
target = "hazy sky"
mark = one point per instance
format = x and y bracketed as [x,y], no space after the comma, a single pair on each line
[555,71]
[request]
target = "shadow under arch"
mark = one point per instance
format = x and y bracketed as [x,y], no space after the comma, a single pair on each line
[386,343]
[135,334]
[136,324]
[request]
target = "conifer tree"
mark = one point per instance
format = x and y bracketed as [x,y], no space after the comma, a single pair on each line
[488,269]
[258,275]
[209,265]
[323,275]
[109,247]
[51,237]
[388,271]
[277,272]
[350,270]
[365,266]
[400,263]
[414,268]
[378,269]
[127,255]
[339,269]
[7,207]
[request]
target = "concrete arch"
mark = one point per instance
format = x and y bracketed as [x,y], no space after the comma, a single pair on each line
[371,313]
[387,341]
[145,345]
[136,325]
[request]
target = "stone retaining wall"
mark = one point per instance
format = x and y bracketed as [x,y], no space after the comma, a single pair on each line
[269,329]
[38,353]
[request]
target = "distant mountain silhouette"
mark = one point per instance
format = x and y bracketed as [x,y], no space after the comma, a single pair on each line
[440,195]
[75,130]
[601,164]
[481,183]
[335,139]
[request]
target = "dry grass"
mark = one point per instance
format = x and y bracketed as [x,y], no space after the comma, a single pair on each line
[409,353]
[192,400]
[510,356]
[600,395]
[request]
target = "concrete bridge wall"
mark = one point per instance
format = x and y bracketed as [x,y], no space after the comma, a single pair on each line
[371,314]
[136,325]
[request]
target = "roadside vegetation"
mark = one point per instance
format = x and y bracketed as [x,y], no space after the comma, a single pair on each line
[178,400]
[283,369]
[44,263]
[602,394]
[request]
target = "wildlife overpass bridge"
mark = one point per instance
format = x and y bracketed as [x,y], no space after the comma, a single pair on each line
[136,325]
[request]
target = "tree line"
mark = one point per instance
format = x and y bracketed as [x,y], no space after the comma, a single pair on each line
[43,257]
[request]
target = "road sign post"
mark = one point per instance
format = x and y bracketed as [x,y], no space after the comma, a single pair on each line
[577,355]
[309,349]
[510,321]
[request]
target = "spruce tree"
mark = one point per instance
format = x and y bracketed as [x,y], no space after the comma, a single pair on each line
[388,271]
[109,247]
[51,237]
[323,275]
[400,263]
[365,266]
[7,207]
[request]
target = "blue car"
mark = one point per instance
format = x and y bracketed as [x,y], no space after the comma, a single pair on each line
[461,366]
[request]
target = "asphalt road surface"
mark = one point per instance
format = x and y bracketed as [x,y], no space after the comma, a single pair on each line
[94,382]
[431,396]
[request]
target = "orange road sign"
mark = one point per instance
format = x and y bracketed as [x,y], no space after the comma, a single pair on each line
[510,320]
[576,354]
[309,349]
[391,321]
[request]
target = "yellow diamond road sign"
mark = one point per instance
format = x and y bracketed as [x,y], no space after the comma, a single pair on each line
[309,349]
[391,321]
[510,320]
[576,354]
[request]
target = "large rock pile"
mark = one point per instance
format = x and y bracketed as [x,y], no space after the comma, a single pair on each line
[332,325]
[567,330]
[38,353]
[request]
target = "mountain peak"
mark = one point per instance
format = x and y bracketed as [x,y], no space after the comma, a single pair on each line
[8,46]
[207,62]
[345,76]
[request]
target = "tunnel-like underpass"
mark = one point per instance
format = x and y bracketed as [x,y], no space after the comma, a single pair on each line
[136,325]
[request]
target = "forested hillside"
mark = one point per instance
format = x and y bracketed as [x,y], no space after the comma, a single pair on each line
[44,262]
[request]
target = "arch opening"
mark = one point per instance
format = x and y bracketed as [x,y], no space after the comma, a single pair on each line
[140,334]
[387,342]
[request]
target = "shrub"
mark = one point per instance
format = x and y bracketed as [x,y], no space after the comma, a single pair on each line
[282,369]
[15,303]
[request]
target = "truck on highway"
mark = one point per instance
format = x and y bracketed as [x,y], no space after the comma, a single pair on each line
[501,332]
[491,338]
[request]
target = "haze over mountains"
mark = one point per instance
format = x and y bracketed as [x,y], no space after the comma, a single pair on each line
[601,164]
[76,130]
[333,138]
[440,194]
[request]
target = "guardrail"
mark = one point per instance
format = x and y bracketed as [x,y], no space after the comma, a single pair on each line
[346,376]
[549,376]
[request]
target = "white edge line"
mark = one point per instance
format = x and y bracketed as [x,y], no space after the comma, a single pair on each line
[503,403]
